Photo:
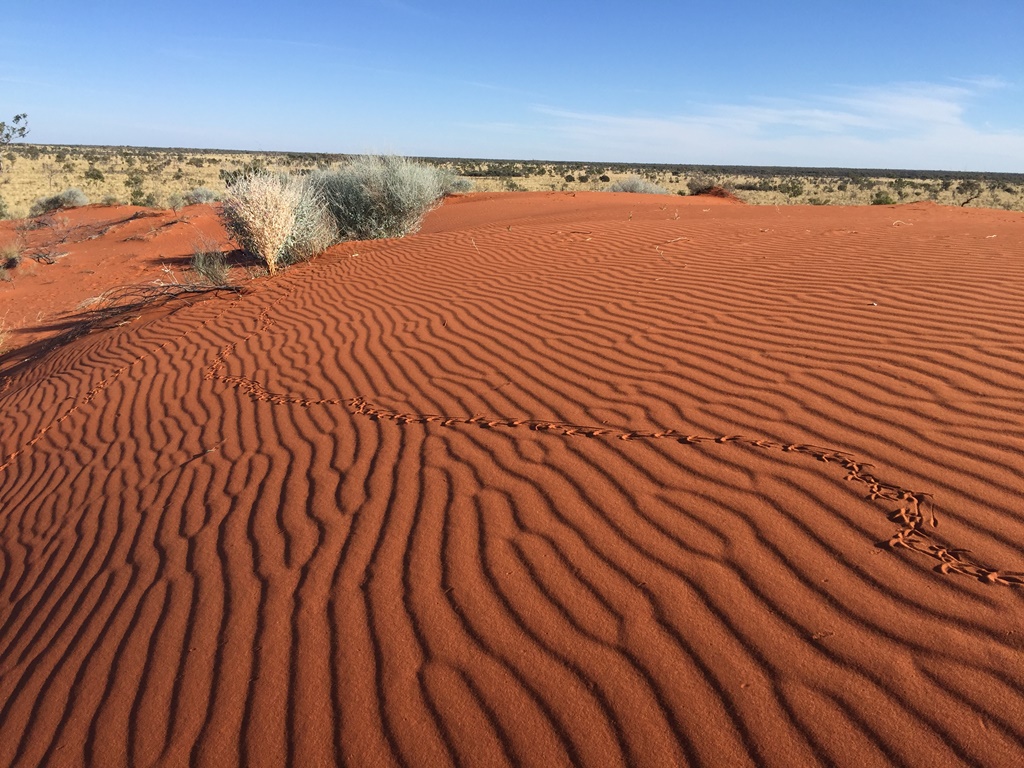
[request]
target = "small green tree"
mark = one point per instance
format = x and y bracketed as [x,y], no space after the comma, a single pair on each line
[791,188]
[133,183]
[17,129]
[252,168]
[971,189]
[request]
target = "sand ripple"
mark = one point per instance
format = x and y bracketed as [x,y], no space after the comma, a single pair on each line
[562,480]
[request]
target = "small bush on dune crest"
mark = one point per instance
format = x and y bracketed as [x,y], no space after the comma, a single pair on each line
[278,219]
[12,254]
[381,196]
[637,184]
[453,184]
[69,198]
[199,195]
[315,228]
[282,219]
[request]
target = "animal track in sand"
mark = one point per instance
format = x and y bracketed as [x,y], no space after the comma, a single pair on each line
[914,514]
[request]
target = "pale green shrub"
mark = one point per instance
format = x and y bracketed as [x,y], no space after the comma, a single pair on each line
[453,184]
[637,184]
[376,196]
[69,198]
[315,229]
[199,195]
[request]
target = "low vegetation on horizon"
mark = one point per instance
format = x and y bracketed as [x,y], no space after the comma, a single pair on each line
[275,218]
[170,178]
[283,208]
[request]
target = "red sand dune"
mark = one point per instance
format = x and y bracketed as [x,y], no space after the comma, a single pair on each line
[77,254]
[584,479]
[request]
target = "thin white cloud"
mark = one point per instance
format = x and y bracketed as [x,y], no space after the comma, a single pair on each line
[908,125]
[984,82]
[905,107]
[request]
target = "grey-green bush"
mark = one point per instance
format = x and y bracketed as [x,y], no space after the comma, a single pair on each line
[377,196]
[451,183]
[315,229]
[637,184]
[69,198]
[280,219]
[199,195]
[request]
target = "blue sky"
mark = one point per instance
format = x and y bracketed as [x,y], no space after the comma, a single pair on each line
[898,84]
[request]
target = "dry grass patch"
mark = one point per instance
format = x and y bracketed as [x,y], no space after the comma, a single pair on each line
[152,176]
[637,184]
[277,218]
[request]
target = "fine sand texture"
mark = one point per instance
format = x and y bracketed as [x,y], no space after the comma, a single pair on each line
[71,259]
[594,479]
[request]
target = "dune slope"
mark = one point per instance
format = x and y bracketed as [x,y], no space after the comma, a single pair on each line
[583,479]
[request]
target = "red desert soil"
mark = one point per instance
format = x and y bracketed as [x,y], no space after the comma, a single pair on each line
[585,479]
[77,254]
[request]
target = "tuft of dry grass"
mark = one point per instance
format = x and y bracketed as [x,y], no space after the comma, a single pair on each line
[278,218]
[260,211]
[12,253]
[209,262]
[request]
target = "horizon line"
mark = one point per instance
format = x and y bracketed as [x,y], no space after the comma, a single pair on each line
[790,169]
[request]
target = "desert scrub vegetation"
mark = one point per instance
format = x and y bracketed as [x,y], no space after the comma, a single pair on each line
[283,219]
[451,184]
[12,254]
[376,196]
[637,184]
[17,129]
[199,195]
[69,198]
[31,170]
[209,263]
[277,218]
